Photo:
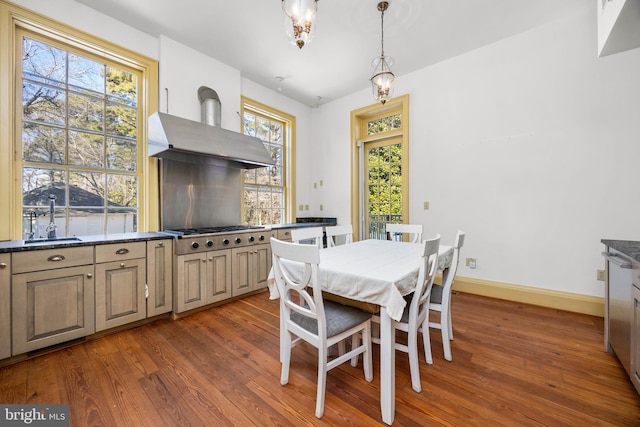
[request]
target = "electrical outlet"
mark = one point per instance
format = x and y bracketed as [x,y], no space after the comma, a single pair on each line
[470,262]
[306,207]
[600,275]
[426,206]
[315,185]
[301,207]
[321,183]
[321,207]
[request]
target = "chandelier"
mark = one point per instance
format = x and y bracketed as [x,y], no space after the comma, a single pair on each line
[382,78]
[300,16]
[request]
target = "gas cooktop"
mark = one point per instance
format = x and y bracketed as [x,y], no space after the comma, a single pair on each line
[210,230]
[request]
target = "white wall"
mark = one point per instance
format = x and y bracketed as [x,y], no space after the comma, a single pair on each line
[530,145]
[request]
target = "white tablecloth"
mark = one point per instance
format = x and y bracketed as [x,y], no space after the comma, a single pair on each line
[374,271]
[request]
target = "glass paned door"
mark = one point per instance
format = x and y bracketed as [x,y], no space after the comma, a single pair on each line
[383,185]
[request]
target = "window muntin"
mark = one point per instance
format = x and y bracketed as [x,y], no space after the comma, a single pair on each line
[79,142]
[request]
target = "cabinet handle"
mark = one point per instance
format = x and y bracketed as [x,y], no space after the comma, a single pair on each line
[122,251]
[89,275]
[54,258]
[3,265]
[161,244]
[122,265]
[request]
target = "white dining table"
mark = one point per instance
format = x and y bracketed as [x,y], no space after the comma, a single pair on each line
[379,272]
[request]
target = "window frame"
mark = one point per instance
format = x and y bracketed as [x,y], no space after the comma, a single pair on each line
[15,20]
[288,147]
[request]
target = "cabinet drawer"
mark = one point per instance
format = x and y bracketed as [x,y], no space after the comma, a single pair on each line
[120,251]
[284,235]
[48,259]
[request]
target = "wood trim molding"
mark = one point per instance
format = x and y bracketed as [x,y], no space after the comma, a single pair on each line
[568,301]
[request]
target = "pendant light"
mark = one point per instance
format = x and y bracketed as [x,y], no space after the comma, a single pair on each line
[300,17]
[382,78]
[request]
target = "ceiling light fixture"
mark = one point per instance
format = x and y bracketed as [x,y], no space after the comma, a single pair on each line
[382,78]
[300,16]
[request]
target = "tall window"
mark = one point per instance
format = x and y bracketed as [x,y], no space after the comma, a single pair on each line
[268,191]
[79,142]
[73,109]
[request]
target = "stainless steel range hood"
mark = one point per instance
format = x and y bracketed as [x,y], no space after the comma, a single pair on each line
[179,139]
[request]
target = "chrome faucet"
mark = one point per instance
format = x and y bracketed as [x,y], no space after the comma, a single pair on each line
[51,228]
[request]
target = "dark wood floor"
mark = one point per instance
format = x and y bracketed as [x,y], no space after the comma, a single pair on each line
[513,365]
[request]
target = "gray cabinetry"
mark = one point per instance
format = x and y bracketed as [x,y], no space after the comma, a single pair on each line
[635,328]
[5,305]
[52,297]
[202,278]
[251,267]
[120,284]
[159,277]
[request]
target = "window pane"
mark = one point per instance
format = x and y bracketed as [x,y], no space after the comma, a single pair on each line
[250,204]
[122,190]
[43,63]
[43,144]
[86,149]
[121,120]
[122,86]
[262,128]
[86,189]
[262,175]
[250,176]
[38,184]
[86,74]
[85,112]
[43,103]
[83,222]
[122,221]
[276,133]
[249,124]
[122,154]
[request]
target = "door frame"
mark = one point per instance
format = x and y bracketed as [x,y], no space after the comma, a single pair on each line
[359,137]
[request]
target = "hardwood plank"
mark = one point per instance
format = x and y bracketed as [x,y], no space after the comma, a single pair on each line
[513,364]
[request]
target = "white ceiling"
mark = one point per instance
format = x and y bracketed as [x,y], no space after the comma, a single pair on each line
[249,35]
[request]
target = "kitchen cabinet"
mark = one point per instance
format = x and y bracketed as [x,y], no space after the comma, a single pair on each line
[120,284]
[52,297]
[159,277]
[634,373]
[251,267]
[5,305]
[202,278]
[618,26]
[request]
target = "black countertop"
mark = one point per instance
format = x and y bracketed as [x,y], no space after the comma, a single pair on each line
[100,239]
[628,247]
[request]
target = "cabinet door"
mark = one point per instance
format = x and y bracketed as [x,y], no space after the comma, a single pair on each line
[120,293]
[50,307]
[635,340]
[159,277]
[190,283]
[218,275]
[243,270]
[262,255]
[5,305]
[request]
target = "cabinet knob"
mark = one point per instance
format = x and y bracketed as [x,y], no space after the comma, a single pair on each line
[204,260]
[89,275]
[161,244]
[3,265]
[122,265]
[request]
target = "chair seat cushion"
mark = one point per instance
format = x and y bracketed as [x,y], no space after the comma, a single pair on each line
[339,318]
[436,294]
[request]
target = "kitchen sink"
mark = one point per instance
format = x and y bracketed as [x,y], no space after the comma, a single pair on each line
[57,239]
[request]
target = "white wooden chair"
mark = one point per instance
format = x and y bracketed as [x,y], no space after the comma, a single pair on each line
[395,231]
[311,234]
[441,299]
[416,312]
[338,231]
[309,318]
